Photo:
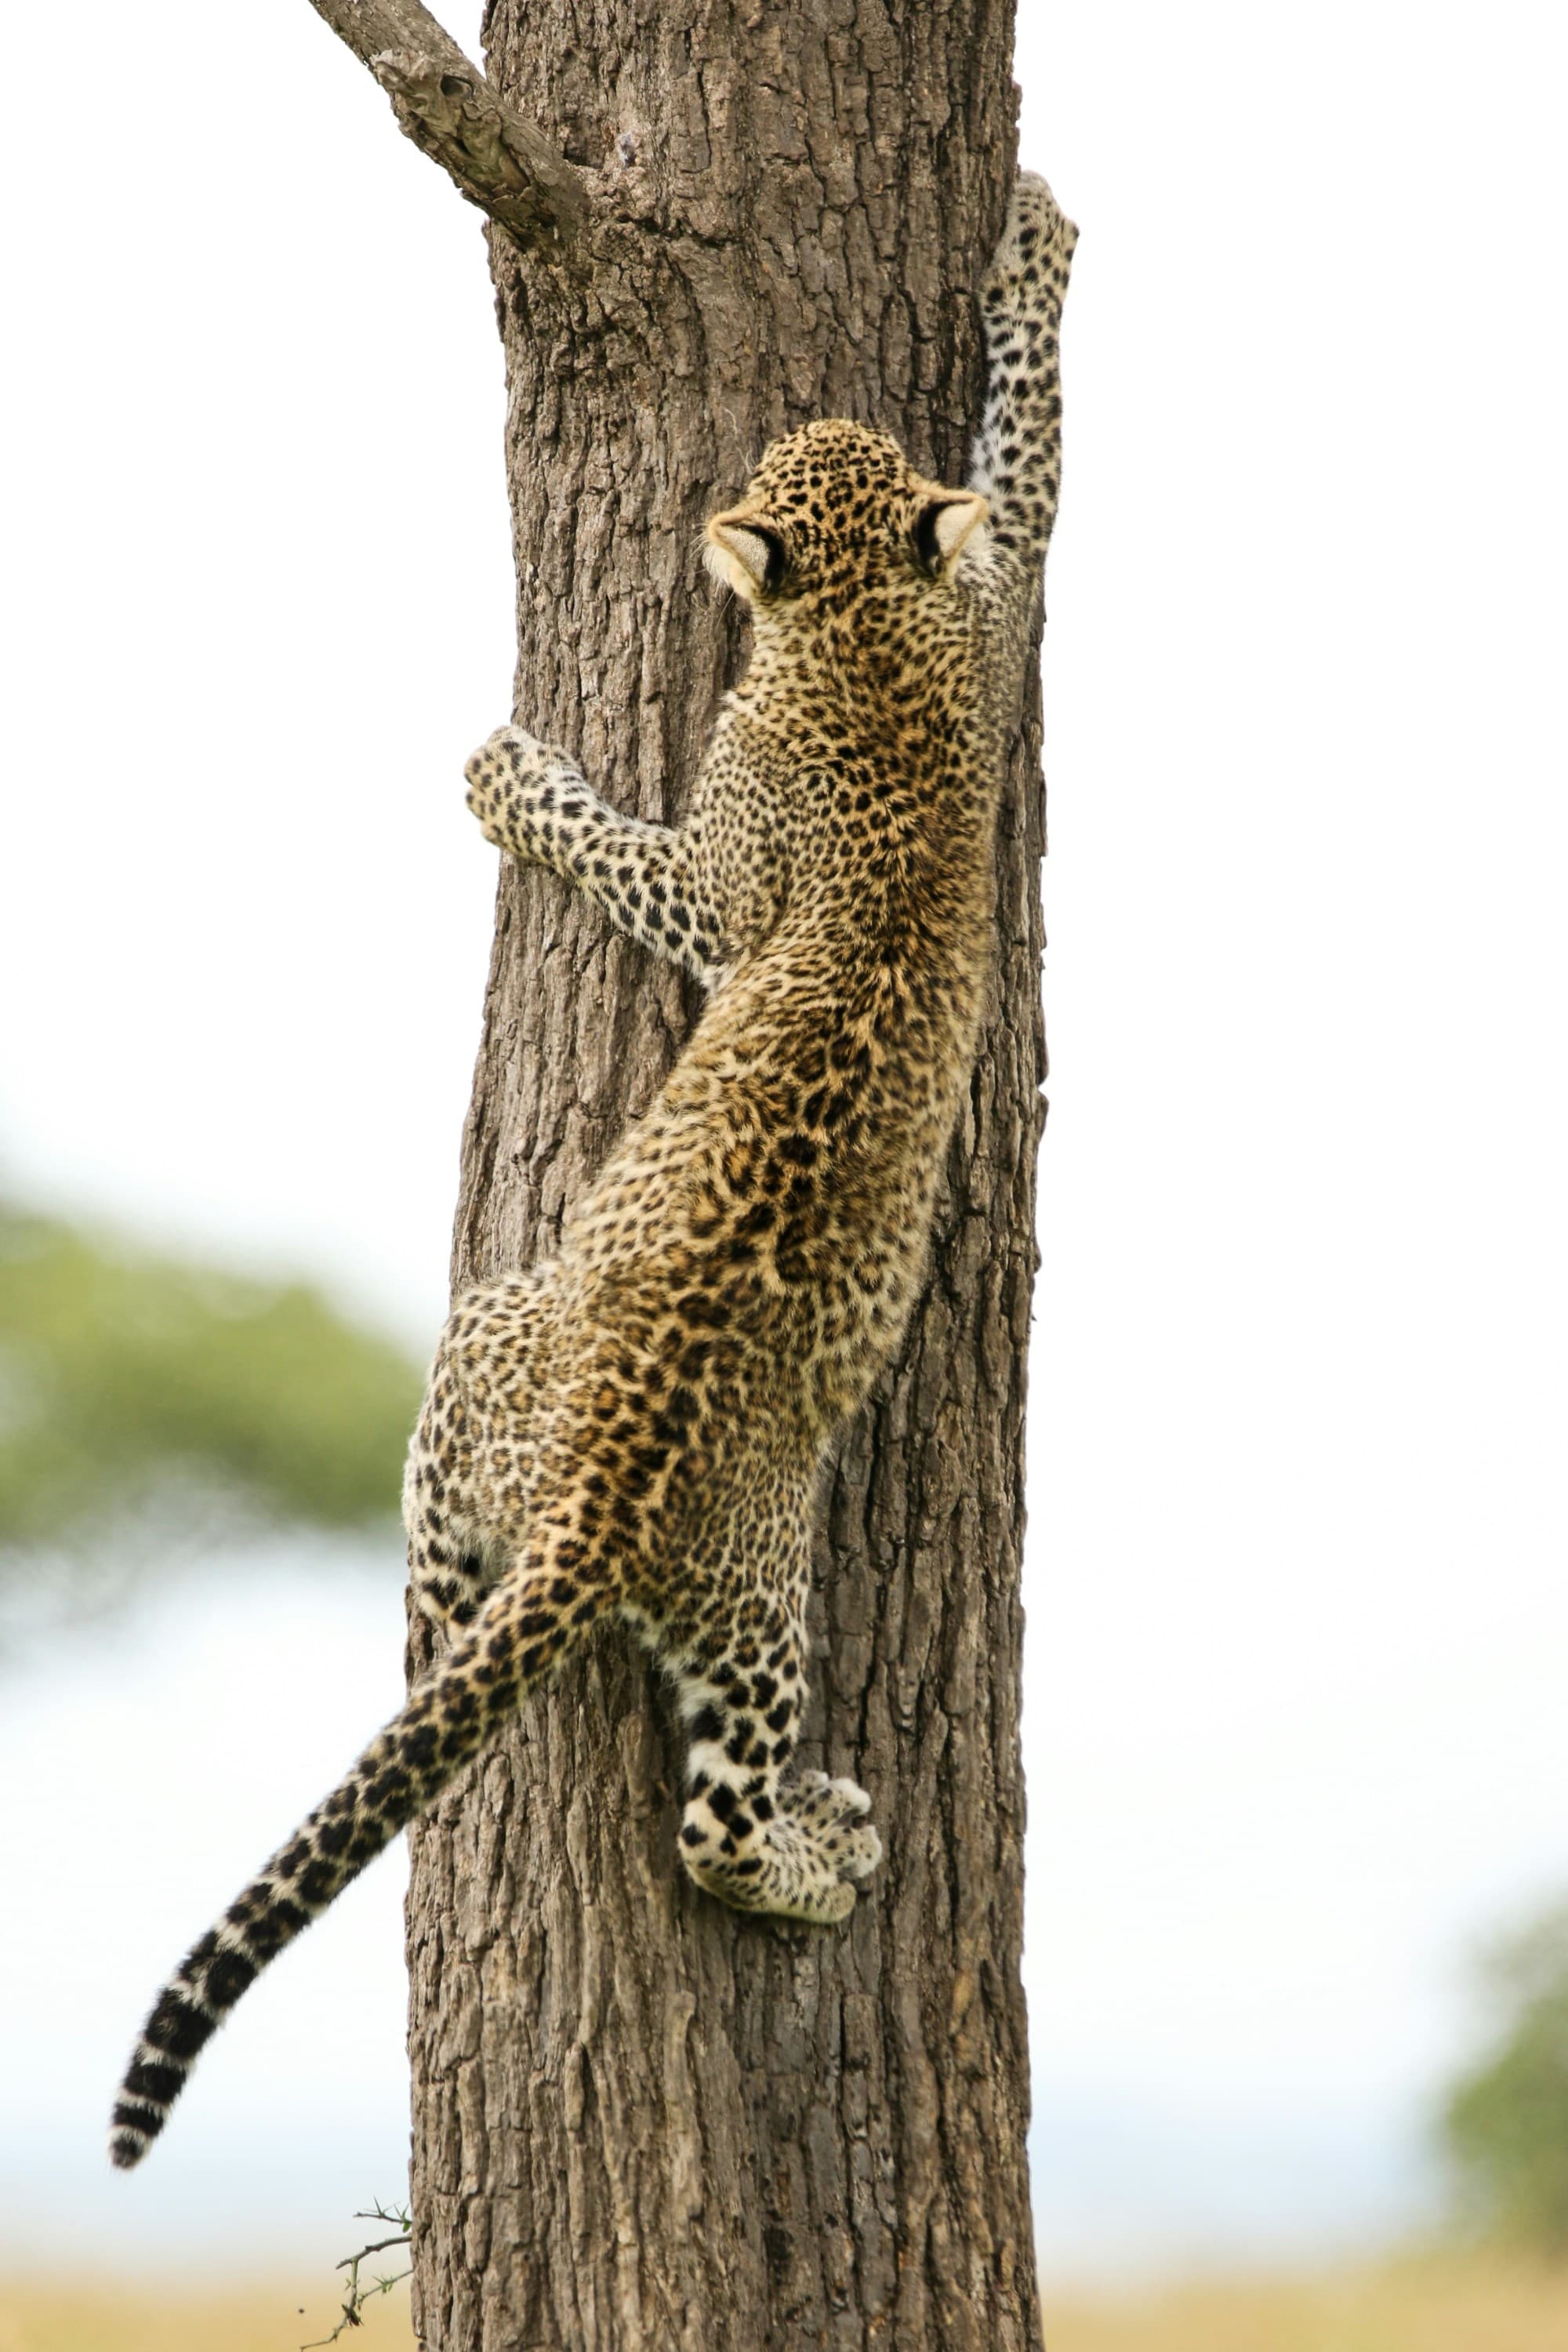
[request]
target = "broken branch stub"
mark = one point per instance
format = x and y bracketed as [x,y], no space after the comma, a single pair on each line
[498,161]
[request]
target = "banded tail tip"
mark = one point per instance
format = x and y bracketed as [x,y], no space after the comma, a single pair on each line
[134,2128]
[154,2081]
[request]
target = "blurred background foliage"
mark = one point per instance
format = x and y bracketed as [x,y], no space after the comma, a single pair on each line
[148,1403]
[155,1411]
[1506,2120]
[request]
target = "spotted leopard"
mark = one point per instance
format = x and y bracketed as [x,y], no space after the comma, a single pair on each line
[635,1429]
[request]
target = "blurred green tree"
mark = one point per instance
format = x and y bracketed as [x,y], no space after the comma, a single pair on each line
[145,1400]
[1505,2121]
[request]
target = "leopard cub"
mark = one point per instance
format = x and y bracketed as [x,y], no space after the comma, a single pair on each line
[636,1428]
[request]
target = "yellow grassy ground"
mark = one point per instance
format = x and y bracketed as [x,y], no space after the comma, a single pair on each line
[1471,2304]
[1436,2304]
[39,2316]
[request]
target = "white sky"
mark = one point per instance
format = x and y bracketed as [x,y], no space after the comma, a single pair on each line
[1298,1613]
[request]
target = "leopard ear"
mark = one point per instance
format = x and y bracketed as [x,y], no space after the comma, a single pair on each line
[942,524]
[744,550]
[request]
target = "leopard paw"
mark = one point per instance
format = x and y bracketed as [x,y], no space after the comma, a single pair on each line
[513,780]
[1028,270]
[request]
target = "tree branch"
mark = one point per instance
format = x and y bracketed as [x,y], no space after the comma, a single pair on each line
[449,110]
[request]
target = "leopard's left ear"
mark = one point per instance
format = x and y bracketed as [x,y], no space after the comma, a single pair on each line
[944,521]
[747,552]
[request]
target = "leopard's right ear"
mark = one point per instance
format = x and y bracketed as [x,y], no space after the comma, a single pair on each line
[944,521]
[747,553]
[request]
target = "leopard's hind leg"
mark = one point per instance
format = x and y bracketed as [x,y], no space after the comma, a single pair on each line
[751,1834]
[470,1454]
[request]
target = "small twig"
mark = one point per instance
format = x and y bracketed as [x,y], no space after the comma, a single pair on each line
[358,2296]
[380,2247]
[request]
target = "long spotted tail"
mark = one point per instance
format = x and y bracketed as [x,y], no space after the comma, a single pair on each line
[512,1644]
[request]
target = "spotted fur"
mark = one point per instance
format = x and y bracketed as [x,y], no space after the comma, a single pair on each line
[636,1428]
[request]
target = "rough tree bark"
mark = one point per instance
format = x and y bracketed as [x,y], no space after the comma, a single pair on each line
[641,2120]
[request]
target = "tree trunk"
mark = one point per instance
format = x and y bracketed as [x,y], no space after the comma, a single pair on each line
[642,2120]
